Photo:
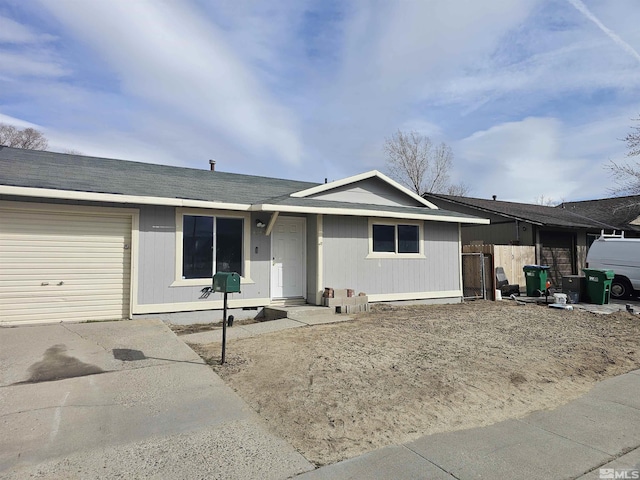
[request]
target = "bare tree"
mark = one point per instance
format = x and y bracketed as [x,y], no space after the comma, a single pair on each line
[627,176]
[545,201]
[413,161]
[458,189]
[633,140]
[28,138]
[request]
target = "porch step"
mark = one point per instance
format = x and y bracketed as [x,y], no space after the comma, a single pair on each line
[288,302]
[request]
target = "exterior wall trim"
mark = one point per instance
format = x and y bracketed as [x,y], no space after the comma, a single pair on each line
[364,213]
[118,198]
[199,306]
[390,297]
[320,260]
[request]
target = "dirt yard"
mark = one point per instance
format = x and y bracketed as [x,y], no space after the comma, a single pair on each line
[397,373]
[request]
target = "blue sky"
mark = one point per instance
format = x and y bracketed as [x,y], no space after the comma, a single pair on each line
[532,95]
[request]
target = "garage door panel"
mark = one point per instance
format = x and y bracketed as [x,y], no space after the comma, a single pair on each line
[80,276]
[37,304]
[55,218]
[33,294]
[69,315]
[56,257]
[71,287]
[36,248]
[86,251]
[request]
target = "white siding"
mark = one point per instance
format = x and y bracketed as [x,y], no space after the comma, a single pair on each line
[64,264]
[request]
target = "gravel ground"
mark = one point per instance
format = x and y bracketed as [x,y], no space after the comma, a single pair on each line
[397,373]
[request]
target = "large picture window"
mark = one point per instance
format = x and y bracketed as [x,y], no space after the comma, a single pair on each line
[211,244]
[395,238]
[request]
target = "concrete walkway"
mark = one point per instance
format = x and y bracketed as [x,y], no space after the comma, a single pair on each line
[599,430]
[125,400]
[297,318]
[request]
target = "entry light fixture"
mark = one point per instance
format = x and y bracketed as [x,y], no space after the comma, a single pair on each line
[260,224]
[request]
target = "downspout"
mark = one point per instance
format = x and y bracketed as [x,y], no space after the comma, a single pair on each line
[517,231]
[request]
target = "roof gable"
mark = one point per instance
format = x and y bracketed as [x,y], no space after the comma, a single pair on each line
[371,185]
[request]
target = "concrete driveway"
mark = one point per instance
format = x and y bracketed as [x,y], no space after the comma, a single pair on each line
[125,400]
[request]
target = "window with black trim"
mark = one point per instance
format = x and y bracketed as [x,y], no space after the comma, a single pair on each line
[211,244]
[398,238]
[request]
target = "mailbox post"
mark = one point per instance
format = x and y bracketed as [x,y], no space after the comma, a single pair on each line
[225,283]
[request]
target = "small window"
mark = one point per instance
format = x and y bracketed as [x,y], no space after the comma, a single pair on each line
[209,241]
[384,238]
[229,245]
[408,239]
[197,247]
[395,239]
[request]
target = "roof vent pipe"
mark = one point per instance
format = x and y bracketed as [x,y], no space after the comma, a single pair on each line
[212,165]
[494,197]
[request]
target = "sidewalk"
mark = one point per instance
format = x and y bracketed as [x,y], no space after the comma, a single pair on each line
[598,430]
[255,329]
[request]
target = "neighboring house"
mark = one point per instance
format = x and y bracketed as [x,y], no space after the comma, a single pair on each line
[621,212]
[85,238]
[561,236]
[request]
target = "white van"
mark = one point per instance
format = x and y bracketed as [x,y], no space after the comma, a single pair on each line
[622,255]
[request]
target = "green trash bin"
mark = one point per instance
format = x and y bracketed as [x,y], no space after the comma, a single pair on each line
[536,277]
[598,285]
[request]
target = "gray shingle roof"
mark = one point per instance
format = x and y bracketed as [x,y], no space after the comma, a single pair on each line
[38,169]
[57,171]
[538,214]
[617,211]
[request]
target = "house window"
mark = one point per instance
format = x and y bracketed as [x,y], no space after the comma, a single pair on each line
[395,238]
[384,238]
[211,244]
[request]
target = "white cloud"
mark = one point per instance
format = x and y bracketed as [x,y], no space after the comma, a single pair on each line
[15,33]
[520,161]
[17,65]
[17,122]
[169,55]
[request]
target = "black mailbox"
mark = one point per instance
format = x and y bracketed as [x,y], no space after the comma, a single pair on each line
[226,282]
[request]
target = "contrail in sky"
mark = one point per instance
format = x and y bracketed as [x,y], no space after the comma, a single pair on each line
[582,8]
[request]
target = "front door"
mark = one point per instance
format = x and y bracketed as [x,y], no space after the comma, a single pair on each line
[288,258]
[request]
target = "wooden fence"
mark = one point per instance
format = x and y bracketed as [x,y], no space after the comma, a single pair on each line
[510,257]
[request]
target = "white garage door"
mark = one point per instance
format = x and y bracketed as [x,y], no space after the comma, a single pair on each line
[64,264]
